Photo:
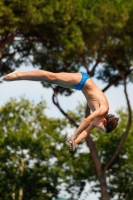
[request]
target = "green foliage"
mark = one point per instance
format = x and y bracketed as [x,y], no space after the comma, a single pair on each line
[34,158]
[78,114]
[66,35]
[119,176]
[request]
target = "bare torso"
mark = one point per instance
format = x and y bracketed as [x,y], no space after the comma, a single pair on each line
[94,96]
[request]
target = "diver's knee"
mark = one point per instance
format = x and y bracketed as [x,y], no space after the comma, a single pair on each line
[51,76]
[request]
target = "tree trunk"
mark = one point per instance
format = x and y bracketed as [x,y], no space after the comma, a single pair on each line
[21,167]
[97,164]
[103,186]
[20,197]
[99,169]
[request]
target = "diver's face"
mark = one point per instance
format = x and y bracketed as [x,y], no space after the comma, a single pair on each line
[99,123]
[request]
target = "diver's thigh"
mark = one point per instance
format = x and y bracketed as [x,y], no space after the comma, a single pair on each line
[71,78]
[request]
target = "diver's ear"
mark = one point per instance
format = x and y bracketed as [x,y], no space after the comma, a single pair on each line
[104,120]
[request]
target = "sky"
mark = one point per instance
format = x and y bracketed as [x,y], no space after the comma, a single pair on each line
[34,91]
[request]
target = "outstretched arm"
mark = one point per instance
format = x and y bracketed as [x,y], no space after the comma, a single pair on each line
[84,134]
[84,124]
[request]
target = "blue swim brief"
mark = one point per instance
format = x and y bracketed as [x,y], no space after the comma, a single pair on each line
[84,78]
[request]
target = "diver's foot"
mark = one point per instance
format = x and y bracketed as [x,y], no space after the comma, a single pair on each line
[12,76]
[71,143]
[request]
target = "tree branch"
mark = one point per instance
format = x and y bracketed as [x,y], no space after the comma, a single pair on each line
[8,55]
[85,63]
[56,103]
[98,167]
[117,151]
[91,145]
[116,67]
[7,40]
[97,163]
[116,80]
[91,73]
[97,62]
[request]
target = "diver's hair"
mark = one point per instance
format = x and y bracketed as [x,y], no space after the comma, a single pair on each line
[111,122]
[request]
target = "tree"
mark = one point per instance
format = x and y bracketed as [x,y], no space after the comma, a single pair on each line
[65,36]
[34,162]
